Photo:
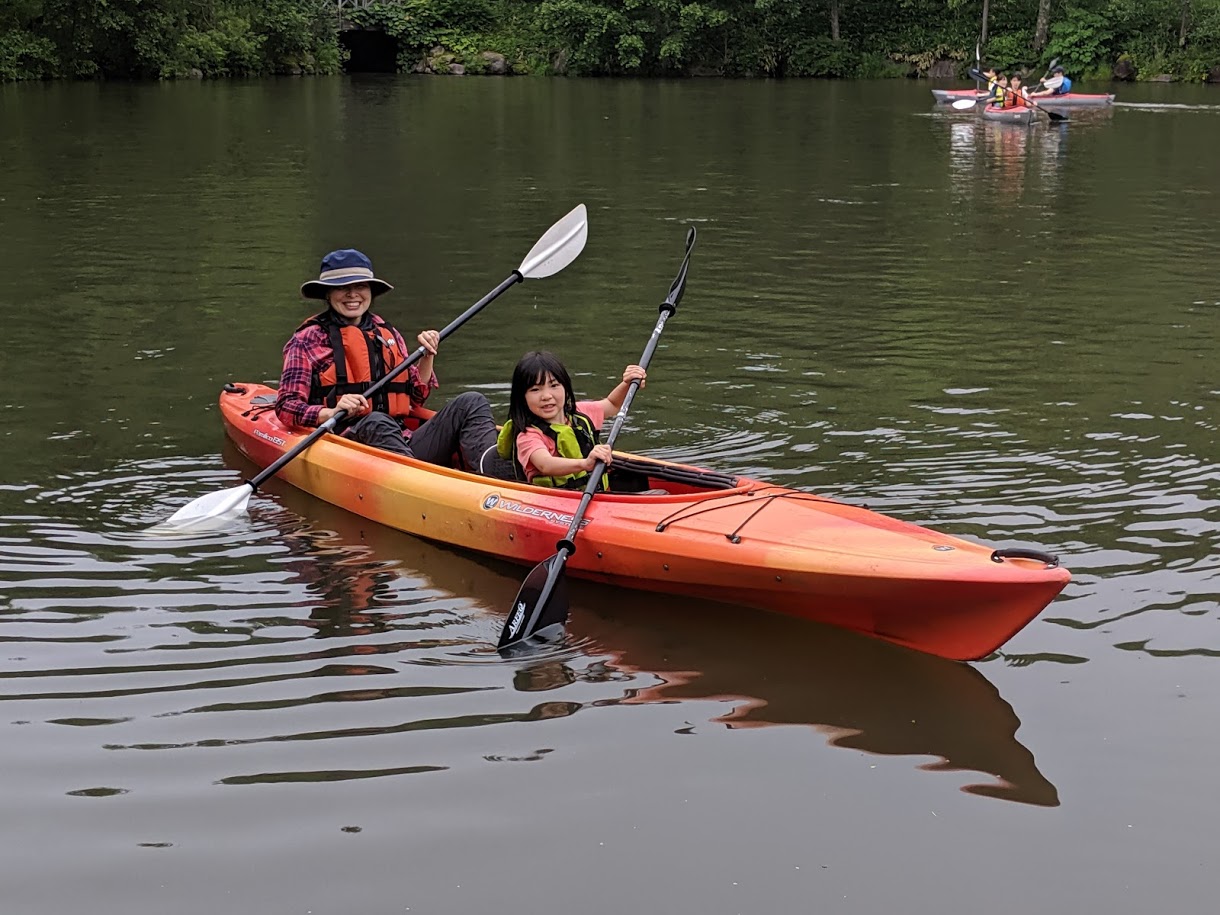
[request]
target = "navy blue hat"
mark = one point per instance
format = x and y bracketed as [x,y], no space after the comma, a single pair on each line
[343,268]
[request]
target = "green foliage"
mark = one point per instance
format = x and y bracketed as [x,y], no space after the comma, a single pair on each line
[1010,51]
[151,38]
[796,38]
[24,55]
[228,48]
[1081,40]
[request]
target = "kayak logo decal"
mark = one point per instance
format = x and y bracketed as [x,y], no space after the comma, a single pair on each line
[518,618]
[493,500]
[274,439]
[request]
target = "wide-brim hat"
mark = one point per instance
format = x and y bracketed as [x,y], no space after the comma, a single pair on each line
[343,268]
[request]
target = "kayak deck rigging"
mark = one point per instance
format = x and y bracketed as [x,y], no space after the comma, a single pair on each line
[734,536]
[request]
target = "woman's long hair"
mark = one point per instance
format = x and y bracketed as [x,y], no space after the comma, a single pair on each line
[532,369]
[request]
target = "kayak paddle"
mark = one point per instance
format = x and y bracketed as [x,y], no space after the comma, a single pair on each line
[555,250]
[542,602]
[1049,69]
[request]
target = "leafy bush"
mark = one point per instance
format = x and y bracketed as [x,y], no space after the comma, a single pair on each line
[1009,51]
[1081,40]
[823,56]
[24,55]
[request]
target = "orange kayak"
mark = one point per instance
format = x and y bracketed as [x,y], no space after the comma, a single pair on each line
[694,532]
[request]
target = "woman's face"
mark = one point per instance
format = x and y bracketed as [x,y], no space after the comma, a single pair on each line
[350,302]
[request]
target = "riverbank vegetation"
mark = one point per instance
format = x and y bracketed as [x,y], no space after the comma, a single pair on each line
[1126,39]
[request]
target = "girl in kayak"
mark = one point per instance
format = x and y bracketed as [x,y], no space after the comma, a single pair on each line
[550,435]
[999,89]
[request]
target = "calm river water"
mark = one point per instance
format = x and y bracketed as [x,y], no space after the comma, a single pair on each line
[1006,333]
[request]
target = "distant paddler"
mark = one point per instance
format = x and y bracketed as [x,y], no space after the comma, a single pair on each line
[1058,84]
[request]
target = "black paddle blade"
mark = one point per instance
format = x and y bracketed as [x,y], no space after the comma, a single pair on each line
[542,602]
[678,287]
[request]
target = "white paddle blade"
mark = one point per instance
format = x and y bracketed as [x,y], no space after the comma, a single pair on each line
[558,247]
[213,505]
[963,103]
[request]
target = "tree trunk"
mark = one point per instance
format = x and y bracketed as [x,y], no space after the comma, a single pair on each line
[983,32]
[834,20]
[1185,23]
[1043,26]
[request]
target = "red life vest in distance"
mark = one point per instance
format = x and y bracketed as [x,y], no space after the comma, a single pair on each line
[362,355]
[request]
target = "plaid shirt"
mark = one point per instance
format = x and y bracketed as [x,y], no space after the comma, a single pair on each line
[309,352]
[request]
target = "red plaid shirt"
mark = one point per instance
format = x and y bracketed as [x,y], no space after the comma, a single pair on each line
[308,352]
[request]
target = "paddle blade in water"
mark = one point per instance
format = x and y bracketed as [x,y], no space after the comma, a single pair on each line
[558,247]
[541,602]
[214,505]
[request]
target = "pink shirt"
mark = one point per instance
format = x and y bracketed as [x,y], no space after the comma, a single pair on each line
[534,438]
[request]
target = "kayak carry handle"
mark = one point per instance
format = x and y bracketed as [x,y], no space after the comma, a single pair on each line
[1050,559]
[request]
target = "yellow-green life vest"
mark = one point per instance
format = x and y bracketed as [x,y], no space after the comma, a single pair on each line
[573,441]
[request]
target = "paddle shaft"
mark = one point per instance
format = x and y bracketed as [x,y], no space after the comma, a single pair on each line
[274,468]
[513,630]
[567,546]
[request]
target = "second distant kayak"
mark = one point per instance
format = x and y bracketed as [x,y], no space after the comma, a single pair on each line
[1068,100]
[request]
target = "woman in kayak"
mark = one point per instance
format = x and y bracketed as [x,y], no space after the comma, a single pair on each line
[334,357]
[550,435]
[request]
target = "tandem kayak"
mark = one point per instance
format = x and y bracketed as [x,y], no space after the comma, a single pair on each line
[1008,115]
[1067,100]
[678,529]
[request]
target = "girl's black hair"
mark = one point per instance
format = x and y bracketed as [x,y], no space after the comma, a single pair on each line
[532,368]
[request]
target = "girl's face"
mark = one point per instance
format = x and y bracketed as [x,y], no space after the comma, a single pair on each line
[545,399]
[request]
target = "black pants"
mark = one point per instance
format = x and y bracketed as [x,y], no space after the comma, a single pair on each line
[464,425]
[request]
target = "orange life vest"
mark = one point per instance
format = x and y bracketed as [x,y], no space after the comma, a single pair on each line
[363,354]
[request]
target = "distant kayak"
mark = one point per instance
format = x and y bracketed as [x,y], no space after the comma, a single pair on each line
[1068,100]
[1008,115]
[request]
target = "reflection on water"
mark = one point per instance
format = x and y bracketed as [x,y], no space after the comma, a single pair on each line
[1005,158]
[295,626]
[863,694]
